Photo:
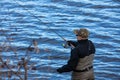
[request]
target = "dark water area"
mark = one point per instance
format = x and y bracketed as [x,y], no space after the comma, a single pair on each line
[27,20]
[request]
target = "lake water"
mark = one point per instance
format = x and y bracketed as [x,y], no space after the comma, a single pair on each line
[27,20]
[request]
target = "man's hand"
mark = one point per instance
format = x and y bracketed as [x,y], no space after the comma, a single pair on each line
[70,43]
[59,70]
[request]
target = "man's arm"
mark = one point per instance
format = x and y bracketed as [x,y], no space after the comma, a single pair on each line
[72,62]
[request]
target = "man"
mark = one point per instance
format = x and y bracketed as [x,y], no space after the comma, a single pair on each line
[81,58]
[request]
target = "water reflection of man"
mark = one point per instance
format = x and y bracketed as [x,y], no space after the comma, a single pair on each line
[81,58]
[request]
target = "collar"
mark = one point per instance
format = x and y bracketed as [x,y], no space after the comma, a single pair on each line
[83,41]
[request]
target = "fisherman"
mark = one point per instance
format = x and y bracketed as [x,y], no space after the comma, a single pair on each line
[81,58]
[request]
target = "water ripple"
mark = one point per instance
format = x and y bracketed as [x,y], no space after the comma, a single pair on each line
[28,20]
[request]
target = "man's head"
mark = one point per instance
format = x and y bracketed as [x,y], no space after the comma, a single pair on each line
[81,33]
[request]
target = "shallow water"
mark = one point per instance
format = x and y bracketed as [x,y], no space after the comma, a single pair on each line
[26,20]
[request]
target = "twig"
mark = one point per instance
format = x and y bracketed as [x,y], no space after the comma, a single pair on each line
[11,69]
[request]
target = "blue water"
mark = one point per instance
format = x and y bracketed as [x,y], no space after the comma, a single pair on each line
[26,20]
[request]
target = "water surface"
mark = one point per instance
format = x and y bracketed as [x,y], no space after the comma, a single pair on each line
[27,20]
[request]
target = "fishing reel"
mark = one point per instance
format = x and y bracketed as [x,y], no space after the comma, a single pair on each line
[68,45]
[65,45]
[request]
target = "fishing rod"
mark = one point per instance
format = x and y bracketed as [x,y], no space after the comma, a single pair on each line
[64,45]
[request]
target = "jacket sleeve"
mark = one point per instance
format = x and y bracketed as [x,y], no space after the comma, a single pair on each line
[73,43]
[72,62]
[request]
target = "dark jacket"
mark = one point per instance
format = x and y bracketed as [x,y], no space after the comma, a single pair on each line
[82,49]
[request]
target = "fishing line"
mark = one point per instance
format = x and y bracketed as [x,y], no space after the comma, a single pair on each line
[39,20]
